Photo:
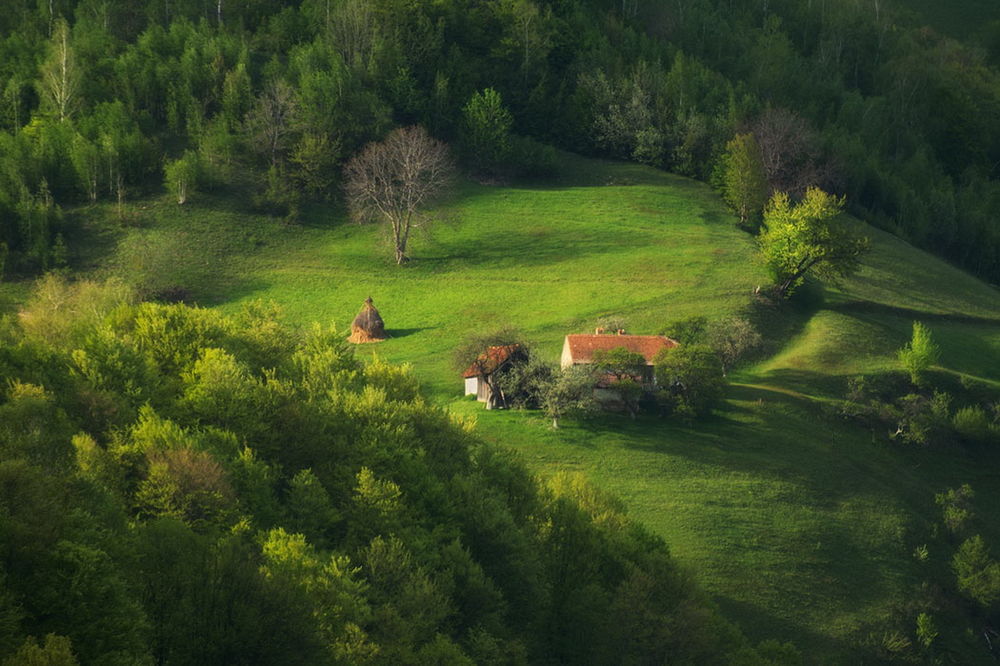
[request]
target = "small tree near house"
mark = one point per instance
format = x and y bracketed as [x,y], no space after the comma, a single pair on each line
[623,372]
[570,392]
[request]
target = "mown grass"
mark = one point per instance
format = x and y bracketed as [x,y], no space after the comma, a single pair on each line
[801,525]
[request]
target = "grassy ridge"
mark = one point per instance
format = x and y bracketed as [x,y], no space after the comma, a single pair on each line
[798,523]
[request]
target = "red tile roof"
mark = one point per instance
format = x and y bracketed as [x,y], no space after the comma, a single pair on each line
[583,346]
[490,360]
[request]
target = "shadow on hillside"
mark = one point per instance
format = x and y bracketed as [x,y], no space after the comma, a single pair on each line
[870,308]
[525,247]
[759,625]
[793,383]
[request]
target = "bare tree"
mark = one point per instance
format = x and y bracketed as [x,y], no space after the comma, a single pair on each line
[790,152]
[392,180]
[273,119]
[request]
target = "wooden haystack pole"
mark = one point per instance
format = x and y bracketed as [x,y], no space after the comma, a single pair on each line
[368,325]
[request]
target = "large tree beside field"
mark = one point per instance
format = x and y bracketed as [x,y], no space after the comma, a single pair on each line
[809,236]
[395,179]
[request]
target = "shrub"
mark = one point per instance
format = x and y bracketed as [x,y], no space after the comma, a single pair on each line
[920,354]
[690,379]
[973,425]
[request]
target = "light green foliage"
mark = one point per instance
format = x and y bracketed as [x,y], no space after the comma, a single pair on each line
[485,130]
[810,236]
[399,382]
[927,631]
[733,339]
[956,505]
[184,175]
[977,572]
[920,354]
[378,504]
[331,587]
[690,380]
[974,425]
[60,311]
[55,651]
[570,392]
[744,184]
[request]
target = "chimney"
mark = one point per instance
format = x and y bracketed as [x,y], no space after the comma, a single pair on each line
[598,331]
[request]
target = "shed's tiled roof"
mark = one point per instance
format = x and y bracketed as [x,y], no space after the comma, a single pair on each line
[490,360]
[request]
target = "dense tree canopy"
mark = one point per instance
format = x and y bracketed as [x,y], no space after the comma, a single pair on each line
[96,97]
[178,486]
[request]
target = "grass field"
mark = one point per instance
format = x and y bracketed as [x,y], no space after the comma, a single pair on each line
[800,525]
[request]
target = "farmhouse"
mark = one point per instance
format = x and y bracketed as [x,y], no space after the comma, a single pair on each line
[480,375]
[580,349]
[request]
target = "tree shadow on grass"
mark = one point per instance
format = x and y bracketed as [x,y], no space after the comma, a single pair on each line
[870,309]
[516,248]
[760,625]
[405,332]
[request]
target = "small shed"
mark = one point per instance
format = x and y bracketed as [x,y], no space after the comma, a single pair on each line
[368,325]
[480,374]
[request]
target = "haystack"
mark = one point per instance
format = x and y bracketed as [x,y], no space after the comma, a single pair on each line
[368,325]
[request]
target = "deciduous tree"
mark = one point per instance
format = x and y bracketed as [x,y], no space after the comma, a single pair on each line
[920,354]
[744,184]
[808,236]
[395,179]
[486,124]
[61,79]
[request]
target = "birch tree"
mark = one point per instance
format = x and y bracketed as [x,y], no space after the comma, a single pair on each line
[60,80]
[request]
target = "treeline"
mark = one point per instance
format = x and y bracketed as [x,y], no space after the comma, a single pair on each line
[848,96]
[181,487]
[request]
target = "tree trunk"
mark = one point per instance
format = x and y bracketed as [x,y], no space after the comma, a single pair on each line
[555,423]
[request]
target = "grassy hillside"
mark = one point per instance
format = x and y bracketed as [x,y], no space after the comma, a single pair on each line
[798,523]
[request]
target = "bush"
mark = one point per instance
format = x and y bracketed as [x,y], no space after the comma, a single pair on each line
[690,379]
[531,159]
[973,425]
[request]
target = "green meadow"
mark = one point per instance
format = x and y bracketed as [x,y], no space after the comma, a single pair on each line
[802,526]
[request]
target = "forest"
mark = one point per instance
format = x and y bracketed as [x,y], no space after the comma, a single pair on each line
[104,99]
[191,485]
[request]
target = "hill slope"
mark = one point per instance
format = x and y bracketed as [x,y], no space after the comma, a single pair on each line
[801,525]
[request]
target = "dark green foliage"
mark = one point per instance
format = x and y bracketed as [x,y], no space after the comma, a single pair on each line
[485,131]
[690,380]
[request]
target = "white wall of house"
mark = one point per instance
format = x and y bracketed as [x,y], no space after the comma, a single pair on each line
[471,385]
[567,357]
